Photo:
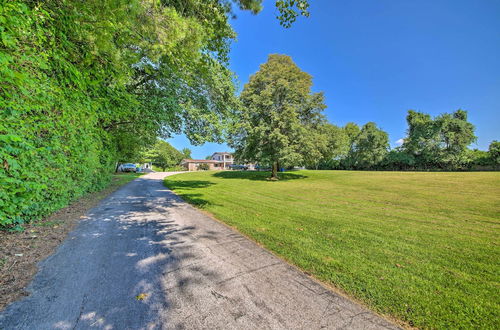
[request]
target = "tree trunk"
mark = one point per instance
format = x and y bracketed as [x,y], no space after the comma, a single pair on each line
[274,172]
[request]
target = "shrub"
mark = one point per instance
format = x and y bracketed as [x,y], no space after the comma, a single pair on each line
[203,167]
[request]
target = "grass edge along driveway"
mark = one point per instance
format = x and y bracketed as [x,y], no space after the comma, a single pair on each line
[419,246]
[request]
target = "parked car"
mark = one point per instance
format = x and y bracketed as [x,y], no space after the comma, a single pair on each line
[238,167]
[129,167]
[262,168]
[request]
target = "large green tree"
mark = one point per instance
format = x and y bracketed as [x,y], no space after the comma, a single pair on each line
[163,155]
[369,147]
[279,116]
[333,144]
[439,142]
[494,152]
[422,140]
[186,153]
[351,130]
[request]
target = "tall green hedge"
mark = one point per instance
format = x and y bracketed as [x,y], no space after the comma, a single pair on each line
[51,148]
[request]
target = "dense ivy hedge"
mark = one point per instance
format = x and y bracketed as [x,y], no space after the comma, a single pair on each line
[51,148]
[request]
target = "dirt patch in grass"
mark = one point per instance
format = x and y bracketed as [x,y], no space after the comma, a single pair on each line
[20,252]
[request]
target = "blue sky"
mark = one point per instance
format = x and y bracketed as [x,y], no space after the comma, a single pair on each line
[375,59]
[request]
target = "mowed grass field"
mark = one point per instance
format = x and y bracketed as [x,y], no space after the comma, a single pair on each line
[422,247]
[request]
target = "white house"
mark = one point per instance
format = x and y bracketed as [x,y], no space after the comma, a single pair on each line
[218,161]
[225,158]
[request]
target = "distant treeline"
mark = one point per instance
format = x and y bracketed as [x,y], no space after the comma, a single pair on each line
[280,124]
[439,143]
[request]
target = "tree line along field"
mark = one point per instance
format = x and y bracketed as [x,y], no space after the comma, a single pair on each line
[419,246]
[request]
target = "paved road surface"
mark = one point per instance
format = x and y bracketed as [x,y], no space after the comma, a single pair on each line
[196,274]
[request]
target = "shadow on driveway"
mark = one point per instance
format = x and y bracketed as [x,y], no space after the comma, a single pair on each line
[110,271]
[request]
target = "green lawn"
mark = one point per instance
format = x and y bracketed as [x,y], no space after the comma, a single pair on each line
[422,247]
[119,179]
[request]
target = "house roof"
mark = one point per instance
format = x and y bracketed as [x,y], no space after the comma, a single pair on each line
[200,161]
[221,153]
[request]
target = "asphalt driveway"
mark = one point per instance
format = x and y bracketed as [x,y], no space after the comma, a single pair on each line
[144,259]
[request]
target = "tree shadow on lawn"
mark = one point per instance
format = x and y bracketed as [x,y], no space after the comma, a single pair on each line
[180,187]
[195,199]
[257,176]
[189,184]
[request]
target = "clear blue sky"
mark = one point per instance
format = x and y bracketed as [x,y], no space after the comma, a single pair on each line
[375,59]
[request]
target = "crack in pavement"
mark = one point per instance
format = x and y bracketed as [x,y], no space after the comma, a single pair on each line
[82,307]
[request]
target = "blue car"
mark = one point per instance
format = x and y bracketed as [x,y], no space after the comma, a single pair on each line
[238,167]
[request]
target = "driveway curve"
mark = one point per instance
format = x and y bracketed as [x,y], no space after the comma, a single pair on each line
[144,259]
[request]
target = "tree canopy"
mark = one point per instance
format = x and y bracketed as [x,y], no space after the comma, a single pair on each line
[494,152]
[369,147]
[163,155]
[186,153]
[279,116]
[439,142]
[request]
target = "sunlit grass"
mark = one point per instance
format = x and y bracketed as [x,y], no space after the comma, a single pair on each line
[423,247]
[119,179]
